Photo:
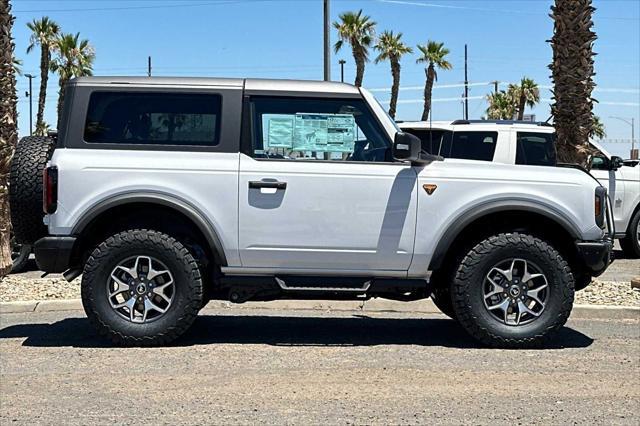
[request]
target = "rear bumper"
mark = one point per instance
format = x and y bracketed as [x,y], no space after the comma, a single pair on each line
[53,254]
[595,255]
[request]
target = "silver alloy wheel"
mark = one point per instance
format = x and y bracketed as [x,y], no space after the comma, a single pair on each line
[140,289]
[515,291]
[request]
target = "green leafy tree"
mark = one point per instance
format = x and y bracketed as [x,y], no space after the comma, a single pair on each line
[434,54]
[391,47]
[597,128]
[358,31]
[44,33]
[501,106]
[524,94]
[74,58]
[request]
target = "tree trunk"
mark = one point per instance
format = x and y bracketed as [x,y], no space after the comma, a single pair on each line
[521,104]
[358,56]
[62,83]
[572,72]
[8,130]
[395,72]
[45,57]
[428,88]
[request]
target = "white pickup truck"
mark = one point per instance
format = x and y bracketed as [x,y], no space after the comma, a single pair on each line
[533,144]
[165,193]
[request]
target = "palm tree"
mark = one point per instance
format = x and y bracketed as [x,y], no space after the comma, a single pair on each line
[572,72]
[434,54]
[392,48]
[501,106]
[44,33]
[74,58]
[525,94]
[8,129]
[358,31]
[597,128]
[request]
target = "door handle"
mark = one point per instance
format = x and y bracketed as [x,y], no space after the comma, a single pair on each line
[266,184]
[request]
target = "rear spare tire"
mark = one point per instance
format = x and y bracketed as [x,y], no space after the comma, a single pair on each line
[25,187]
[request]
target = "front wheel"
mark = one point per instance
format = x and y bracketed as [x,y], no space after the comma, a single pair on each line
[141,287]
[631,243]
[513,290]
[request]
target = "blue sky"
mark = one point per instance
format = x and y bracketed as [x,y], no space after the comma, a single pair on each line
[283,39]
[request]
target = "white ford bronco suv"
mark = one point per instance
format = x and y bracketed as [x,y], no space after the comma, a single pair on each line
[533,144]
[165,193]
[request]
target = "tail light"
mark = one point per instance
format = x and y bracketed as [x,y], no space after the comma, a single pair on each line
[50,189]
[600,206]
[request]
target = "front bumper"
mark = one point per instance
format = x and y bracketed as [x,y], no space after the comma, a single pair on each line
[53,254]
[595,255]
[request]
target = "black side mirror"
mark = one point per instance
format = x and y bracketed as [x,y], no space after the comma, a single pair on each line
[406,147]
[616,162]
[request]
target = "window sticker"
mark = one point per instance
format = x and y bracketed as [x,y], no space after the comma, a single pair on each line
[279,131]
[324,132]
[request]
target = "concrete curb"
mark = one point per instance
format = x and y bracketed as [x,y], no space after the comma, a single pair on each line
[376,305]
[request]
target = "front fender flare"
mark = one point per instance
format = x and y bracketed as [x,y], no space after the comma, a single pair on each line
[469,216]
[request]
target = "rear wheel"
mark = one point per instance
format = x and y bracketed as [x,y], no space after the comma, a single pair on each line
[512,290]
[631,243]
[141,287]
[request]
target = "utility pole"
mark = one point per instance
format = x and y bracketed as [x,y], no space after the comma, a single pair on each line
[149,66]
[30,95]
[495,86]
[327,42]
[466,86]
[342,62]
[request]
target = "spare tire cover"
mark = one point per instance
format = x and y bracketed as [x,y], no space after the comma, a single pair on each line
[25,187]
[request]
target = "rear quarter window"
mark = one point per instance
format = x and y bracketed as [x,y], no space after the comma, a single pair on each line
[152,118]
[535,149]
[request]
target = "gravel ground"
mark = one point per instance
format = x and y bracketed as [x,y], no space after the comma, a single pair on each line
[30,287]
[308,367]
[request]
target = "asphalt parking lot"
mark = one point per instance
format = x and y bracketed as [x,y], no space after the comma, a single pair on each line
[266,366]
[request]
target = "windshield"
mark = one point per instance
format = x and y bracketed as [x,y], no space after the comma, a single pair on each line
[372,100]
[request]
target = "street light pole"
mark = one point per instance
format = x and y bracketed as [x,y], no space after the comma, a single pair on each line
[342,62]
[630,122]
[30,94]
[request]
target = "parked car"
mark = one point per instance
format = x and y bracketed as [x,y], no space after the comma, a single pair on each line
[165,193]
[531,143]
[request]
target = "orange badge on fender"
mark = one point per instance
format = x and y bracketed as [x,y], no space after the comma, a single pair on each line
[429,187]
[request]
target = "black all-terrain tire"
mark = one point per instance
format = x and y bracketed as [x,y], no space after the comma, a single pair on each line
[441,291]
[187,298]
[25,187]
[441,297]
[467,288]
[19,256]
[631,243]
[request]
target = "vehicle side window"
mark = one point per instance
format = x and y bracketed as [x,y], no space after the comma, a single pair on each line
[471,146]
[316,129]
[433,140]
[153,118]
[536,149]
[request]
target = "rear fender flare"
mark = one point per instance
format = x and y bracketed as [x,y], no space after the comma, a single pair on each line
[182,206]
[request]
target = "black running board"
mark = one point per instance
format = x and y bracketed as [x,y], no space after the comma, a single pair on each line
[245,288]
